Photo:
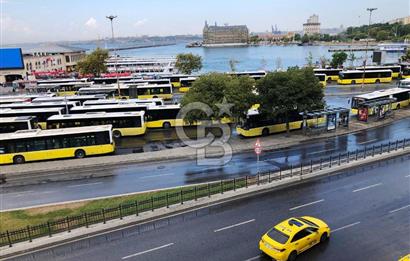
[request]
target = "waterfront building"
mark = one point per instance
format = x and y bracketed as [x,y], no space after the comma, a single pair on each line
[52,57]
[136,65]
[312,25]
[46,59]
[402,20]
[227,35]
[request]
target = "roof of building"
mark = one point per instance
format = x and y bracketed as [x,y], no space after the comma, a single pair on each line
[53,48]
[217,28]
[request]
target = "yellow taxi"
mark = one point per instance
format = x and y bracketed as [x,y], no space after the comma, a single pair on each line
[405,258]
[293,236]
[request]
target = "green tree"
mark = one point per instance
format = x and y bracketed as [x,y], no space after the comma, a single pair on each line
[93,63]
[406,56]
[338,59]
[297,37]
[187,63]
[283,93]
[323,61]
[382,35]
[216,88]
[232,64]
[351,58]
[305,38]
[309,60]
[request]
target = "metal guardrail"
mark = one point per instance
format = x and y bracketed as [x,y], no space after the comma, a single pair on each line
[68,223]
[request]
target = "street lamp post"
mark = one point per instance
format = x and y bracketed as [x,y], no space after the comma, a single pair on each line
[370,10]
[111,18]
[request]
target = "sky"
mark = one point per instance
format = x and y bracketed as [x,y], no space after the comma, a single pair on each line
[25,21]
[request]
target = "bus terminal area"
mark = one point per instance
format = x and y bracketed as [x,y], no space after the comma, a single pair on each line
[278,141]
[329,119]
[376,109]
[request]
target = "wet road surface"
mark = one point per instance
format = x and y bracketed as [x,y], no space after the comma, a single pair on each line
[367,209]
[143,177]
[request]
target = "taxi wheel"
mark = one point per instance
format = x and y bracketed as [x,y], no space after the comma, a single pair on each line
[292,256]
[324,238]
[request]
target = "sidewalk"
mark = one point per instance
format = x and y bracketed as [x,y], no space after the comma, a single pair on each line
[177,209]
[238,145]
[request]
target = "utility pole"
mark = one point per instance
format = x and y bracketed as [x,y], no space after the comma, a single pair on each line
[111,18]
[370,10]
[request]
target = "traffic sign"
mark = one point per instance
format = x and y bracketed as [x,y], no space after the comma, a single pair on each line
[258,147]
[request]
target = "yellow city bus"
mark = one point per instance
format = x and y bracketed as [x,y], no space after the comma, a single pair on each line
[12,124]
[396,69]
[123,123]
[186,83]
[106,90]
[42,114]
[175,79]
[75,98]
[260,125]
[356,76]
[164,116]
[120,107]
[402,96]
[405,73]
[150,91]
[34,145]
[331,74]
[30,105]
[155,101]
[322,78]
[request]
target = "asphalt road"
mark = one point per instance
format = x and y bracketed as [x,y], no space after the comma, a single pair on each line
[367,209]
[142,177]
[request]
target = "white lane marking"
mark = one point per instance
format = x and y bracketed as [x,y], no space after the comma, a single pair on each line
[368,187]
[321,151]
[17,193]
[398,209]
[235,225]
[154,176]
[365,142]
[307,204]
[253,258]
[46,192]
[82,185]
[347,226]
[147,251]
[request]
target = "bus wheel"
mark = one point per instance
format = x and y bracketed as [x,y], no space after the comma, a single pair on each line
[265,132]
[79,154]
[166,125]
[377,81]
[398,107]
[329,80]
[18,159]
[116,134]
[155,97]
[353,82]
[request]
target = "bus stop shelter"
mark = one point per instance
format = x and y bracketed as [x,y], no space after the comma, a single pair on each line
[325,120]
[381,108]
